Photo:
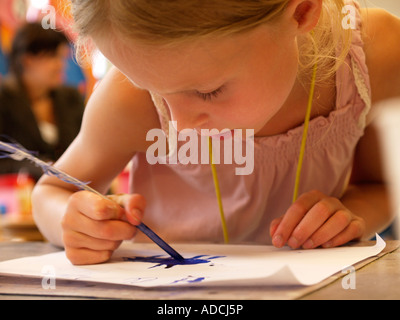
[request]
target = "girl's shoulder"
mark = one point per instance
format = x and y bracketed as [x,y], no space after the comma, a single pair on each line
[381,36]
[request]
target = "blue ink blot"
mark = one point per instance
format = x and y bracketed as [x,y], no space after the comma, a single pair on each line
[200,279]
[189,280]
[171,262]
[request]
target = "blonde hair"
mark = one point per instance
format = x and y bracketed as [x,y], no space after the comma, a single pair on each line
[161,22]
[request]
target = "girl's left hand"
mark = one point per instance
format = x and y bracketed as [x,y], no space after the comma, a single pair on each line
[314,220]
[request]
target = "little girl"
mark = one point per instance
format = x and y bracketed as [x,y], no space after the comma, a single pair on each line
[236,65]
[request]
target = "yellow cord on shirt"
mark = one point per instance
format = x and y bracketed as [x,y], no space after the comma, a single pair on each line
[218,192]
[299,164]
[304,138]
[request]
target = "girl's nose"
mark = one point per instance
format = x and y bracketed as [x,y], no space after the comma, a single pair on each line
[186,116]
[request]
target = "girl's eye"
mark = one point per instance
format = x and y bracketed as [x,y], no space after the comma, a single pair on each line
[209,95]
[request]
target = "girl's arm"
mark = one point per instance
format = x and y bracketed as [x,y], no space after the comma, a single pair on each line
[116,121]
[381,45]
[367,195]
[316,219]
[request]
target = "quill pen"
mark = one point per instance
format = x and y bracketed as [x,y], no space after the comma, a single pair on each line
[17,152]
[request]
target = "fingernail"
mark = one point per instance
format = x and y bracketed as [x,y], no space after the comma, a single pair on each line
[293,242]
[133,216]
[308,244]
[328,244]
[277,241]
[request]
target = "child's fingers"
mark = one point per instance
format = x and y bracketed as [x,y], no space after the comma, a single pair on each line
[319,216]
[274,225]
[77,240]
[354,230]
[294,215]
[84,256]
[100,229]
[93,227]
[333,226]
[95,207]
[114,230]
[134,205]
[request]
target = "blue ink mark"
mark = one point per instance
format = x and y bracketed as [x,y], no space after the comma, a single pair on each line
[200,279]
[139,280]
[189,280]
[171,262]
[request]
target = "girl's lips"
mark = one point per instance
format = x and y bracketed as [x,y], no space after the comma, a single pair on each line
[224,133]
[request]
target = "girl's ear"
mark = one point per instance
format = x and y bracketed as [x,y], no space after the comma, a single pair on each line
[304,13]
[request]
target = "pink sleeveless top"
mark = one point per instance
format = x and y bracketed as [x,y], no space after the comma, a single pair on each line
[181,201]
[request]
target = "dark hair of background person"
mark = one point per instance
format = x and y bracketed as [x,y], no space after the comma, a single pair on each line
[20,111]
[33,39]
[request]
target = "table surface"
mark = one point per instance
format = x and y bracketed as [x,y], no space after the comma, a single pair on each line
[375,278]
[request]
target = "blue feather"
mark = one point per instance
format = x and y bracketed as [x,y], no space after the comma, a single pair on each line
[17,152]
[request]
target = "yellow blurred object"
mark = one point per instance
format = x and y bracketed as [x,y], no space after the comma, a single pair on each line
[19,228]
[16,221]
[25,186]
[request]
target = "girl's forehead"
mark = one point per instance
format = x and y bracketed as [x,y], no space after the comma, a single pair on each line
[146,61]
[189,64]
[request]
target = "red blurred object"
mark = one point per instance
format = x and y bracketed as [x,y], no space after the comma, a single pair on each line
[15,193]
[8,180]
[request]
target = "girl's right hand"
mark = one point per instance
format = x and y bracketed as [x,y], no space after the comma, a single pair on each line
[94,227]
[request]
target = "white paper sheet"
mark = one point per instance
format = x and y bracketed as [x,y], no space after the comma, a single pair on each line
[220,265]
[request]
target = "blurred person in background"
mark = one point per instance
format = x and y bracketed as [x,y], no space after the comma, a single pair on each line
[36,109]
